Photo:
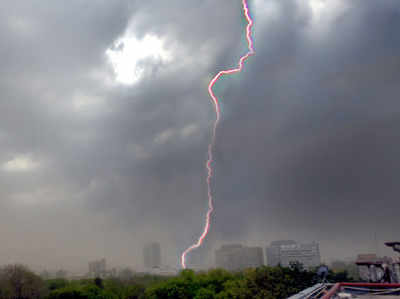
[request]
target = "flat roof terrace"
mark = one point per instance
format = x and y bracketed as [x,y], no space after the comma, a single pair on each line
[363,290]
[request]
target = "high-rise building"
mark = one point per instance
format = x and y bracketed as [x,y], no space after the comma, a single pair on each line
[287,251]
[238,257]
[152,255]
[97,268]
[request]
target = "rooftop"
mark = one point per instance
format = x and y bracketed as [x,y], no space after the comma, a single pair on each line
[351,290]
[364,290]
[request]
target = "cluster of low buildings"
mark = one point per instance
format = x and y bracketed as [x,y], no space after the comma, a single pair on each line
[285,252]
[237,256]
[231,257]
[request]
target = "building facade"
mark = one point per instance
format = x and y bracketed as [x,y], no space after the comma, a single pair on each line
[152,255]
[238,257]
[97,268]
[287,251]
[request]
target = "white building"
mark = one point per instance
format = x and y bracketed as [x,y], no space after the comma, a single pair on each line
[288,251]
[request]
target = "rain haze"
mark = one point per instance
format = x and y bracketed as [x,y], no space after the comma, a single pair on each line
[105,120]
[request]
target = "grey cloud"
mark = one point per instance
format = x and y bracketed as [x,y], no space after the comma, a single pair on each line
[306,147]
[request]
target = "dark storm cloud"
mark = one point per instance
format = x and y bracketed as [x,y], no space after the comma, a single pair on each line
[104,160]
[306,147]
[316,117]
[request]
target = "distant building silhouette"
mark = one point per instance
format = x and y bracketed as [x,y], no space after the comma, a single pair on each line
[273,252]
[196,260]
[203,257]
[238,257]
[286,251]
[152,255]
[97,268]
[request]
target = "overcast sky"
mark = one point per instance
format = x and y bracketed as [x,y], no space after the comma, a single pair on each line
[105,121]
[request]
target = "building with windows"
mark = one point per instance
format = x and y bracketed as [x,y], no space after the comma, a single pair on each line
[287,251]
[152,255]
[237,257]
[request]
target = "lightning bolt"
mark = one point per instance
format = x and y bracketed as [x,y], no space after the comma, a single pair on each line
[215,101]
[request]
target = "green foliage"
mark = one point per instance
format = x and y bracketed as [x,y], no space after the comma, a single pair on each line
[134,292]
[123,289]
[98,282]
[264,282]
[81,292]
[54,284]
[146,279]
[205,293]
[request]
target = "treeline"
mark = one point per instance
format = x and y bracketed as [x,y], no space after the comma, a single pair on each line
[18,282]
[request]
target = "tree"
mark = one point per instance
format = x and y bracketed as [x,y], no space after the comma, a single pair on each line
[124,289]
[18,282]
[57,283]
[81,292]
[205,293]
[99,282]
[134,292]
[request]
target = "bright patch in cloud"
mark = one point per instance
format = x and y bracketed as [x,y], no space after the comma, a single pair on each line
[317,6]
[127,53]
[21,163]
[189,130]
[164,136]
[325,11]
[82,102]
